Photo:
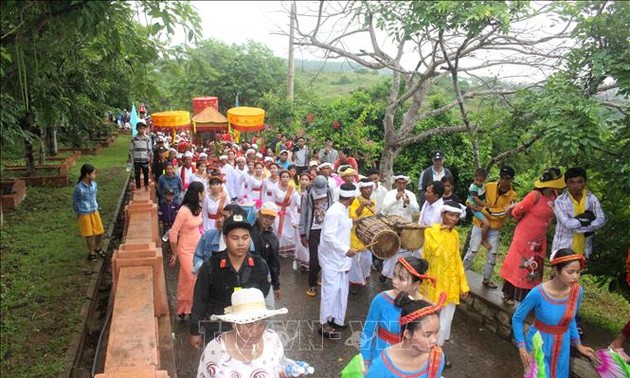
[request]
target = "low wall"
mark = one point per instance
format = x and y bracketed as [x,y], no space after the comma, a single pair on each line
[12,200]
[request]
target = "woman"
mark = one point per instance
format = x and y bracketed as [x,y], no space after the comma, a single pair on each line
[201,175]
[214,202]
[381,327]
[441,249]
[169,181]
[271,183]
[250,349]
[301,252]
[522,269]
[555,304]
[286,224]
[294,180]
[254,185]
[85,206]
[417,354]
[183,237]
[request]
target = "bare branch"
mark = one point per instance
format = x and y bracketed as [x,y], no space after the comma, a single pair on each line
[506,154]
[623,108]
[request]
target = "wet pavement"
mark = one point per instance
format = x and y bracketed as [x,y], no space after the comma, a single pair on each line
[473,351]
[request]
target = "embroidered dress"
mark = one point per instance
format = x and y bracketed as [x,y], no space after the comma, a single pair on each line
[216,362]
[212,210]
[383,367]
[523,266]
[381,328]
[288,200]
[253,189]
[555,320]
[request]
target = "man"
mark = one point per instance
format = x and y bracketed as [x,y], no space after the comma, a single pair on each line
[325,169]
[500,195]
[346,159]
[430,212]
[142,154]
[267,245]
[379,192]
[224,272]
[402,202]
[186,170]
[230,176]
[159,164]
[335,259]
[432,173]
[281,144]
[315,202]
[578,214]
[328,154]
[301,155]
[362,206]
[283,160]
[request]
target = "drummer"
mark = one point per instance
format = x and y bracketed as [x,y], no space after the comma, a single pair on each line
[402,202]
[361,207]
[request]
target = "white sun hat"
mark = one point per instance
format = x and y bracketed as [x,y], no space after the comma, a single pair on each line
[248,306]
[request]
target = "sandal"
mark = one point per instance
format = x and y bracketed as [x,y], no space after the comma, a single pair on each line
[508,301]
[311,292]
[100,253]
[92,256]
[489,283]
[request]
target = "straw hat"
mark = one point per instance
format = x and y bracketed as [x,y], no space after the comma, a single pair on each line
[551,178]
[248,306]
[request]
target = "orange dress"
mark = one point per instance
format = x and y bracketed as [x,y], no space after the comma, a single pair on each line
[186,232]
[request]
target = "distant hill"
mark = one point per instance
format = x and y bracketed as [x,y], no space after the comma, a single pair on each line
[330,66]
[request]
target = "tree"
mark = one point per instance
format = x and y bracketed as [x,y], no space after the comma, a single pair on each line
[446,39]
[62,62]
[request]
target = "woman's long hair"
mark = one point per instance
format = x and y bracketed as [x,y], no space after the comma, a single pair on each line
[191,198]
[86,169]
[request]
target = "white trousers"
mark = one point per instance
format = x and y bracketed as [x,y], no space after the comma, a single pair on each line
[390,263]
[360,268]
[270,300]
[446,319]
[334,296]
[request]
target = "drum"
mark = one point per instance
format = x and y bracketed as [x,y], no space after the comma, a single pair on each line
[385,242]
[411,234]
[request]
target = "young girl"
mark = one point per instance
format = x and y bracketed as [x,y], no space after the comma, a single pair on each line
[287,198]
[214,201]
[441,249]
[417,354]
[85,206]
[301,252]
[271,183]
[254,185]
[381,327]
[555,304]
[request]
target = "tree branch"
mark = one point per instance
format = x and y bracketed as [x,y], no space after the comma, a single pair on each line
[506,154]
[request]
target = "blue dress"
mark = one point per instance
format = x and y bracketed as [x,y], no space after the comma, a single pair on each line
[383,367]
[382,314]
[550,312]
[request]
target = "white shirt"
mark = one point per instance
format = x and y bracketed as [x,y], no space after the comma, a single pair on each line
[392,206]
[430,213]
[335,239]
[334,189]
[378,195]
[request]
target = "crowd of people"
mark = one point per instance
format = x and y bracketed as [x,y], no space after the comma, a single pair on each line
[231,210]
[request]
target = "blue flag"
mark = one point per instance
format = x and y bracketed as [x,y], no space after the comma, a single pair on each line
[237,103]
[133,119]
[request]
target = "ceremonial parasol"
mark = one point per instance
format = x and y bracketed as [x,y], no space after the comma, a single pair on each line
[172,121]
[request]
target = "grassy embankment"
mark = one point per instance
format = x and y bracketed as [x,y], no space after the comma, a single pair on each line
[43,268]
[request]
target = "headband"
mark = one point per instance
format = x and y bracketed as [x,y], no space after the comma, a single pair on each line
[569,258]
[424,311]
[365,184]
[346,193]
[451,209]
[414,272]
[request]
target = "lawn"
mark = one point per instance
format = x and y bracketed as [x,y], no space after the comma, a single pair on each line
[599,306]
[44,273]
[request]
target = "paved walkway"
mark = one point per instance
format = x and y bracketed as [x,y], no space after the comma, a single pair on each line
[473,351]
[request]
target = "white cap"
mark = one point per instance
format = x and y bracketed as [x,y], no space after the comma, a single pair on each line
[259,155]
[203,155]
[188,154]
[324,165]
[250,151]
[254,146]
[268,158]
[223,157]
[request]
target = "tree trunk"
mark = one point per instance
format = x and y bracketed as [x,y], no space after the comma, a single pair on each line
[387,165]
[29,157]
[51,139]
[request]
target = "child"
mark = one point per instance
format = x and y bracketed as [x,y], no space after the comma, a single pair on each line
[449,194]
[85,206]
[477,202]
[168,211]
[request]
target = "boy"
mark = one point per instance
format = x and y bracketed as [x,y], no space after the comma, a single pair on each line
[476,201]
[168,211]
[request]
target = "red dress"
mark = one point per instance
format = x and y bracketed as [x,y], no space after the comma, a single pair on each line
[523,266]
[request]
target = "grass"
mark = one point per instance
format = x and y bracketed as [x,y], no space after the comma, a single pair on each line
[599,307]
[44,273]
[336,85]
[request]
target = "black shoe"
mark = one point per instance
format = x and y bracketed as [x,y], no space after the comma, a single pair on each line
[336,326]
[329,332]
[92,256]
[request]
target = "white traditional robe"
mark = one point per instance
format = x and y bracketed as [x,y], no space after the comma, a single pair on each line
[269,189]
[333,246]
[287,220]
[253,189]
[211,210]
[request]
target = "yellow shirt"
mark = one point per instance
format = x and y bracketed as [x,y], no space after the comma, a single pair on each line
[367,211]
[498,205]
[441,250]
[579,241]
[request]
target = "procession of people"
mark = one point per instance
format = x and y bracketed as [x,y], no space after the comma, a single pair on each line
[232,210]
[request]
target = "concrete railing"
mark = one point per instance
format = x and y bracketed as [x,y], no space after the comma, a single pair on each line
[140,342]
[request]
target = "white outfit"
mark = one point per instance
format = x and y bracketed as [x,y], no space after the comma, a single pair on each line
[378,195]
[241,176]
[334,189]
[269,188]
[188,175]
[216,362]
[203,180]
[430,213]
[302,256]
[392,206]
[211,211]
[333,246]
[228,173]
[253,189]
[287,220]
[446,320]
